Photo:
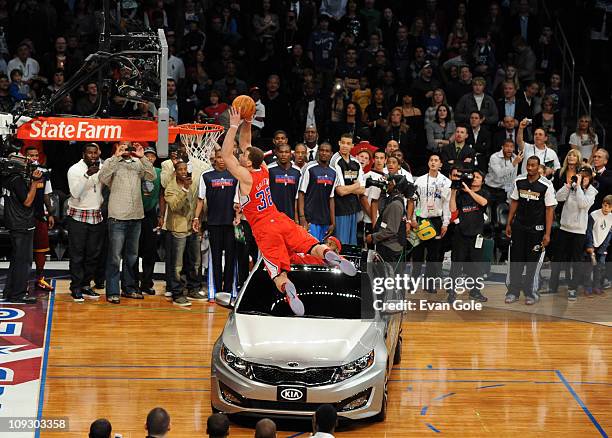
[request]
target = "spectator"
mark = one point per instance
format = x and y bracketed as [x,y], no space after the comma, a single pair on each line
[311,137]
[525,60]
[154,207]
[399,131]
[409,111]
[598,238]
[438,98]
[176,67]
[350,123]
[603,176]
[507,133]
[265,22]
[529,226]
[352,23]
[363,95]
[19,89]
[389,26]
[479,137]
[158,423]
[524,24]
[350,71]
[369,200]
[122,173]
[216,107]
[57,82]
[458,153]
[310,111]
[556,93]
[259,119]
[58,59]
[507,74]
[433,43]
[22,61]
[44,219]
[101,428]
[265,428]
[459,88]
[513,106]
[441,131]
[6,101]
[547,156]
[89,104]
[503,167]
[316,195]
[217,425]
[425,85]
[324,422]
[183,238]
[578,197]
[375,115]
[230,81]
[350,186]
[84,222]
[549,121]
[477,101]
[571,165]
[284,181]
[321,49]
[19,220]
[584,139]
[431,204]
[277,107]
[457,36]
[483,55]
[300,156]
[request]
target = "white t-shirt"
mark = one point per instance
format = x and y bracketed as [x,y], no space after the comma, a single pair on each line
[584,143]
[260,111]
[372,192]
[546,155]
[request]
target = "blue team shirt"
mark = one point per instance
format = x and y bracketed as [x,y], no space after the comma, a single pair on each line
[318,184]
[218,188]
[284,187]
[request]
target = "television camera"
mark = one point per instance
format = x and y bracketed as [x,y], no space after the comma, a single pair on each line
[402,185]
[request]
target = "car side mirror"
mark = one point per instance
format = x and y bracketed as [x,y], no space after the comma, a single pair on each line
[224,299]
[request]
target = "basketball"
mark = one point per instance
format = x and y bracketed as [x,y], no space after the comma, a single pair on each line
[246,105]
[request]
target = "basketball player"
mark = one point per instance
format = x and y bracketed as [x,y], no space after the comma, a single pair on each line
[277,236]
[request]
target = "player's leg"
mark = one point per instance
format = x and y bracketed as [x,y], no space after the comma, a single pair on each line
[41,248]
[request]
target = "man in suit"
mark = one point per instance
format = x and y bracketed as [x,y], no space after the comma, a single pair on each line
[508,132]
[310,111]
[525,99]
[603,177]
[511,105]
[479,138]
[524,24]
[457,152]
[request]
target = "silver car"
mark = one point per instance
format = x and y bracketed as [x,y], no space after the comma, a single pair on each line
[268,362]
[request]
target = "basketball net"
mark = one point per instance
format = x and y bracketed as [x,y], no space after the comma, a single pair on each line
[200,140]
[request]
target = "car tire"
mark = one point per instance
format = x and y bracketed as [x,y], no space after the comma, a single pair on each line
[382,415]
[397,357]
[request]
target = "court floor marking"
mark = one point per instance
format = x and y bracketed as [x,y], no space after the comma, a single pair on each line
[43,370]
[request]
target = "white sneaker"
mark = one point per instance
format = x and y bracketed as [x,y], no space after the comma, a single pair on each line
[293,300]
[337,261]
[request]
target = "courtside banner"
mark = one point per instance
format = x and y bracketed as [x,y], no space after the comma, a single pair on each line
[84,129]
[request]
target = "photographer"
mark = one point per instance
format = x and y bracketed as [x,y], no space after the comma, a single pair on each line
[470,202]
[19,219]
[390,229]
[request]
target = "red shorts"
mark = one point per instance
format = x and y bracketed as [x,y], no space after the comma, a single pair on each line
[305,259]
[278,238]
[41,236]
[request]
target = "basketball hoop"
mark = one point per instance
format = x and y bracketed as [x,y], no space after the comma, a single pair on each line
[200,139]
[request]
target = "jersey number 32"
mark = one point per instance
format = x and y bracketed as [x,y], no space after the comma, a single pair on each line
[265,199]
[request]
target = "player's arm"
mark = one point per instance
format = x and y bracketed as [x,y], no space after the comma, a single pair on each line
[332,217]
[245,135]
[301,216]
[227,152]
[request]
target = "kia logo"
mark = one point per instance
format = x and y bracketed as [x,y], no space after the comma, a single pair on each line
[291,394]
[293,364]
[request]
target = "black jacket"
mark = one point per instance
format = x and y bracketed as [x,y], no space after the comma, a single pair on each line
[300,115]
[449,153]
[521,108]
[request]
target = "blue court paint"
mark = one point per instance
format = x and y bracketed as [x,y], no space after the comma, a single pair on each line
[430,367]
[490,386]
[442,397]
[424,410]
[575,383]
[581,403]
[296,434]
[43,373]
[432,428]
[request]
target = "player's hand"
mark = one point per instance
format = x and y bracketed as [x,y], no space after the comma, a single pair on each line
[93,170]
[36,175]
[443,231]
[195,225]
[174,158]
[121,148]
[139,152]
[234,116]
[545,240]
[51,221]
[508,231]
[329,231]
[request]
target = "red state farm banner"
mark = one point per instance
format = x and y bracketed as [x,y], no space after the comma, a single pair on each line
[84,129]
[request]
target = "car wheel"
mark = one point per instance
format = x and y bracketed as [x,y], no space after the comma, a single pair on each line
[382,415]
[397,358]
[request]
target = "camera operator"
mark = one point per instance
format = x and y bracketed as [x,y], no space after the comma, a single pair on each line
[19,220]
[390,229]
[470,201]
[529,225]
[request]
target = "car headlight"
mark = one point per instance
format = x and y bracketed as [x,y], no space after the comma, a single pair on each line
[352,369]
[237,364]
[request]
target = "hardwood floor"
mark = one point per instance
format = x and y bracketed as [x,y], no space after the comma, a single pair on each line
[502,374]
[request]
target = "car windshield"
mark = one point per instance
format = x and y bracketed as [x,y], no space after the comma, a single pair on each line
[325,293]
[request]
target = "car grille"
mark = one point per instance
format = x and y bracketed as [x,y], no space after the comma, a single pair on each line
[279,376]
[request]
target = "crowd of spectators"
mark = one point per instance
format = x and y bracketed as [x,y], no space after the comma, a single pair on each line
[473,87]
[159,425]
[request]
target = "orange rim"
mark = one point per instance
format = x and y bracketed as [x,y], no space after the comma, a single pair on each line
[199,128]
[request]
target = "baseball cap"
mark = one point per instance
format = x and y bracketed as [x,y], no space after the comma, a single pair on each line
[336,242]
[150,149]
[426,65]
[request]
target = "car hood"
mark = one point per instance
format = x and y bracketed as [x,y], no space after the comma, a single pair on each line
[307,341]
